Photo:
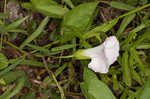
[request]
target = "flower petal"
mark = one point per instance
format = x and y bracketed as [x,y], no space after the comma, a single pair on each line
[94,52]
[103,55]
[111,49]
[99,65]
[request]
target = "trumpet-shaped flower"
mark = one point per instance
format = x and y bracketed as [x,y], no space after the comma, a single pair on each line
[103,55]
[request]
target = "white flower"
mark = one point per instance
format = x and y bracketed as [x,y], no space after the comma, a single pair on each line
[103,55]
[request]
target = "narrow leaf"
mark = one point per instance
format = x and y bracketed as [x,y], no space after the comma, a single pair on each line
[49,8]
[105,27]
[67,46]
[124,24]
[3,61]
[121,5]
[138,60]
[10,67]
[15,24]
[125,69]
[36,33]
[145,93]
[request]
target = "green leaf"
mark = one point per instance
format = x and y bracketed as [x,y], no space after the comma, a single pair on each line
[2,82]
[89,35]
[69,3]
[45,52]
[15,24]
[115,82]
[124,95]
[125,69]
[124,24]
[79,18]
[36,33]
[143,46]
[39,48]
[145,93]
[121,5]
[93,88]
[12,76]
[11,67]
[132,34]
[105,27]
[17,31]
[141,38]
[27,6]
[19,86]
[3,61]
[3,15]
[138,60]
[134,74]
[63,47]
[1,22]
[132,2]
[49,8]
[29,62]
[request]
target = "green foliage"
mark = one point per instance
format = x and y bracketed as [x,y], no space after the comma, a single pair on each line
[12,76]
[146,89]
[94,88]
[73,26]
[47,7]
[41,49]
[68,46]
[3,15]
[121,5]
[105,27]
[29,62]
[132,35]
[48,80]
[124,24]
[3,61]
[19,78]
[30,95]
[126,69]
[12,66]
[16,24]
[13,26]
[135,76]
[36,33]
[79,18]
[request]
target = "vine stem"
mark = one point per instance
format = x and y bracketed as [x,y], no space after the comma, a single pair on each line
[134,11]
[51,74]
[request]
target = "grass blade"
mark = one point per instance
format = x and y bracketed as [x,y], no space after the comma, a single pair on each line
[36,33]
[105,27]
[11,67]
[121,5]
[145,35]
[3,61]
[138,60]
[124,24]
[67,46]
[16,24]
[125,69]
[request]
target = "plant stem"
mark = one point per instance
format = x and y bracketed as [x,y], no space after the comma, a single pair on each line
[51,74]
[134,11]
